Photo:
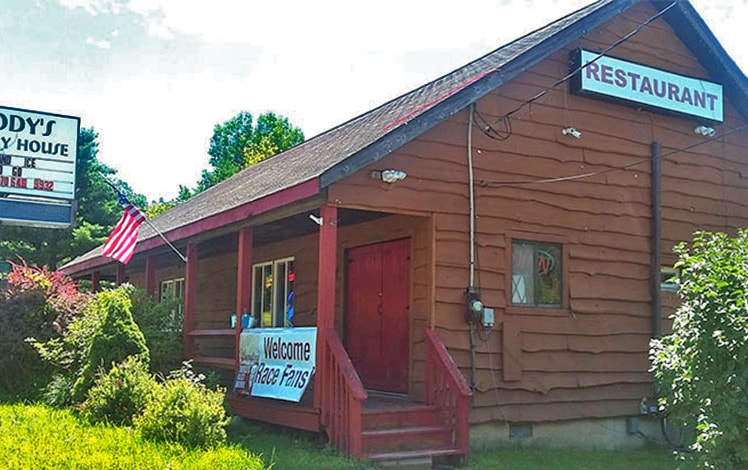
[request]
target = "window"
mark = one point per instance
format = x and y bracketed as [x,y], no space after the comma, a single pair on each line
[272,293]
[668,277]
[537,274]
[173,289]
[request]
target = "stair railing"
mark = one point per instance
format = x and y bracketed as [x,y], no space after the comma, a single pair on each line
[342,396]
[447,389]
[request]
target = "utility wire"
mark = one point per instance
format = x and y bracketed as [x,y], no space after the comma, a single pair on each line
[597,57]
[493,133]
[495,184]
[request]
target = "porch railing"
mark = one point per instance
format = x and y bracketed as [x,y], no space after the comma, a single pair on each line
[448,390]
[342,395]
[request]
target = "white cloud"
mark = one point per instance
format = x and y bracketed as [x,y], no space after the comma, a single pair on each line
[100,43]
[94,7]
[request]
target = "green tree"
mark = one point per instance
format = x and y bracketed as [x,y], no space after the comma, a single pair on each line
[98,210]
[700,368]
[239,143]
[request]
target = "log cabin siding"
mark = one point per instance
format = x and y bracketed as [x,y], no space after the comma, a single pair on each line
[590,361]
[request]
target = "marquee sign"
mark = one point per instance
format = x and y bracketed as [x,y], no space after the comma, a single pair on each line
[655,88]
[38,152]
[276,362]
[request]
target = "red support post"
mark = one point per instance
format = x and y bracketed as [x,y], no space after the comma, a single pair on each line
[120,279]
[190,299]
[95,281]
[327,263]
[243,285]
[150,276]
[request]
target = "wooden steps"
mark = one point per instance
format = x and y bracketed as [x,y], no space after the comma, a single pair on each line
[405,435]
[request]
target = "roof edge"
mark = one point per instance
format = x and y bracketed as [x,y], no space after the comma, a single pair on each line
[248,210]
[456,102]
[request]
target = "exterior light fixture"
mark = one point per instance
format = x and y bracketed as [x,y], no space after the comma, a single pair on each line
[389,176]
[705,131]
[572,132]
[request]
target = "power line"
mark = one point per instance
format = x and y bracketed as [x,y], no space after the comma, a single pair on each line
[492,133]
[495,184]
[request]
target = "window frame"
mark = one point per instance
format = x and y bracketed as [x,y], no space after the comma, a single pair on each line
[518,309]
[274,264]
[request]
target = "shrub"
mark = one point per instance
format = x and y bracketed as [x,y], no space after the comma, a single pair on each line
[700,368]
[117,338]
[161,324]
[119,395]
[183,410]
[36,303]
[68,354]
[104,334]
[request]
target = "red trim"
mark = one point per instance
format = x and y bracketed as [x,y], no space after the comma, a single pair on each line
[190,299]
[150,275]
[243,285]
[237,214]
[95,281]
[327,263]
[294,415]
[121,275]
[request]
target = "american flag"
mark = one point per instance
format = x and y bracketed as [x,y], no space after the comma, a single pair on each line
[121,242]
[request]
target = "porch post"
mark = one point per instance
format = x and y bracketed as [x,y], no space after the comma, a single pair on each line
[120,279]
[190,298]
[327,263]
[150,276]
[243,286]
[95,281]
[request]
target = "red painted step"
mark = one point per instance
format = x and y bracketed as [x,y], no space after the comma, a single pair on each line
[411,455]
[417,415]
[406,439]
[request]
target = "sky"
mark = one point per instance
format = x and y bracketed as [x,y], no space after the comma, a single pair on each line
[153,77]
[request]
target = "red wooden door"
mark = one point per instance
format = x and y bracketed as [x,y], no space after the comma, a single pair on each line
[377,332]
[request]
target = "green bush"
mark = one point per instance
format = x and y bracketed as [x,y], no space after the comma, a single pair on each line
[121,394]
[36,303]
[161,324]
[184,411]
[700,368]
[116,339]
[103,334]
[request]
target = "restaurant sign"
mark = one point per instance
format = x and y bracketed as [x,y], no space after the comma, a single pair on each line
[276,362]
[654,88]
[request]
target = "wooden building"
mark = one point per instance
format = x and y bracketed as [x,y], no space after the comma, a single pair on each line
[556,208]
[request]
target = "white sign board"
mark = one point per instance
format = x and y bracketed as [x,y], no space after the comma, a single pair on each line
[38,152]
[649,86]
[276,362]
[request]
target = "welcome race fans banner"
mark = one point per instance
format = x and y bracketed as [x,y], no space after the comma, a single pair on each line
[276,362]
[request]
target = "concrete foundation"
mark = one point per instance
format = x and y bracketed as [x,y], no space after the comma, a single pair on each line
[590,434]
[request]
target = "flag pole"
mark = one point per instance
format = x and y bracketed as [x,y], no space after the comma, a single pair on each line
[168,243]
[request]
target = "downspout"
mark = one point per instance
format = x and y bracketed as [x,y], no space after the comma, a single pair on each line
[471,284]
[656,238]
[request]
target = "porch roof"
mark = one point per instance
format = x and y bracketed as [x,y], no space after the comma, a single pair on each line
[308,168]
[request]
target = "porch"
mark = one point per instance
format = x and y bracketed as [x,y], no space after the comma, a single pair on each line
[406,401]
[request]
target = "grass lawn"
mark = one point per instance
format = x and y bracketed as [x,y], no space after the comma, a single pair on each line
[532,459]
[296,450]
[38,437]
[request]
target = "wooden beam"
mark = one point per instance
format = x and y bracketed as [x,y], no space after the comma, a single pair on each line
[190,299]
[120,279]
[150,275]
[243,285]
[95,281]
[328,248]
[327,262]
